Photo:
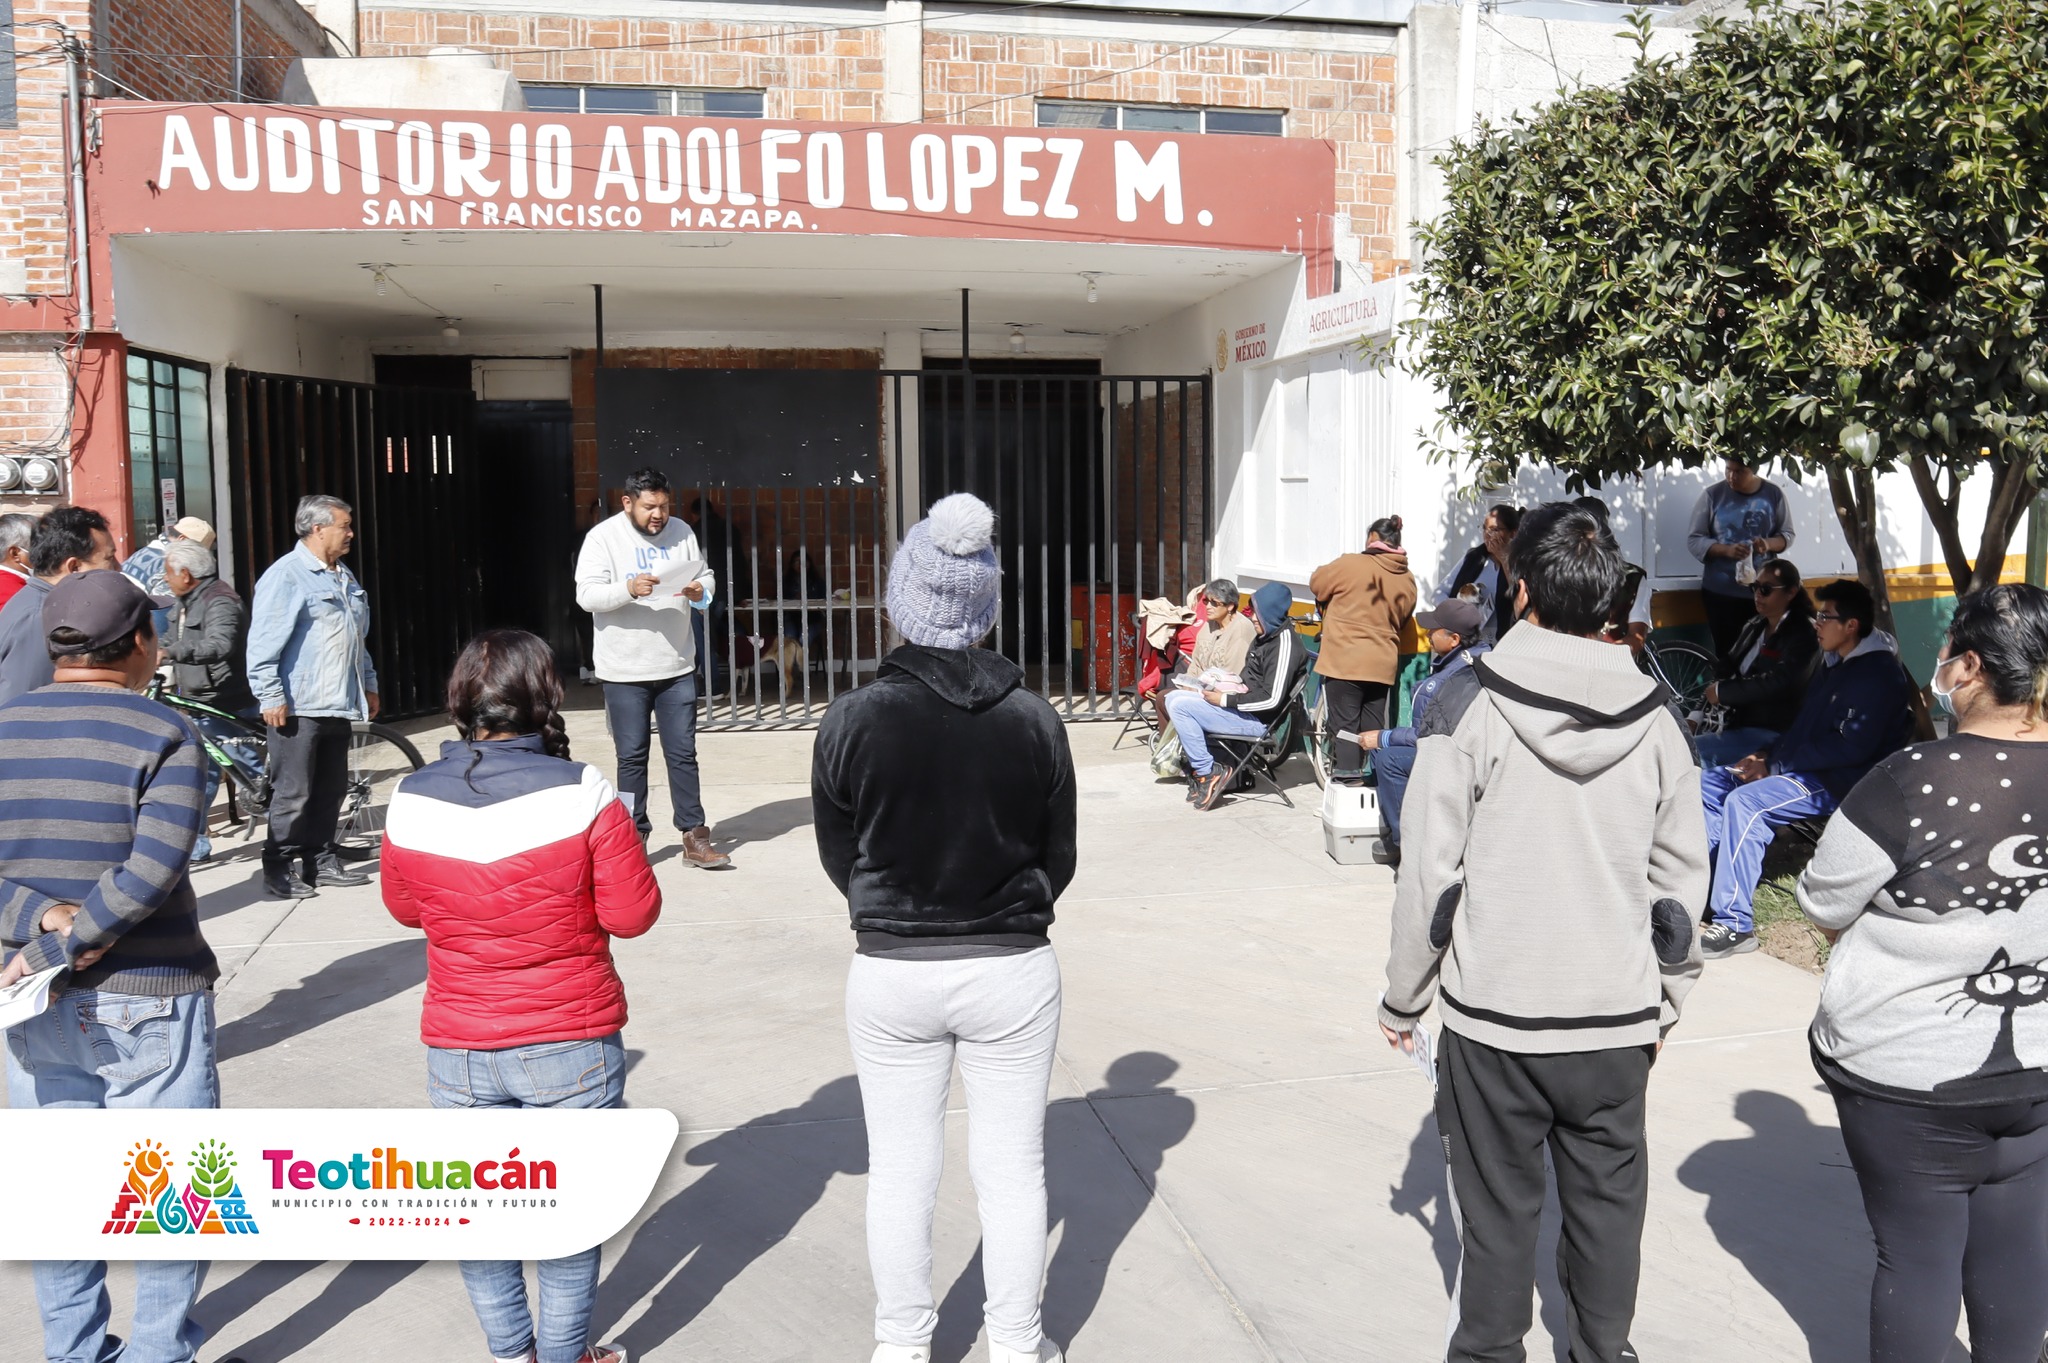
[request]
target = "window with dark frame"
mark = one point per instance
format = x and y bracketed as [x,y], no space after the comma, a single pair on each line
[648,100]
[1160,118]
[170,440]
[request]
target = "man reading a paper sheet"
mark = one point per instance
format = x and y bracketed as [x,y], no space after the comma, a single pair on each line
[640,576]
[99,805]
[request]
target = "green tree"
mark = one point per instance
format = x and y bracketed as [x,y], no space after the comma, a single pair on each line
[1819,239]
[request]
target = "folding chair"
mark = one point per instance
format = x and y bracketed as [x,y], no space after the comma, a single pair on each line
[1261,758]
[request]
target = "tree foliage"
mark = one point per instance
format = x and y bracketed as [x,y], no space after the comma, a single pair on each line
[1819,238]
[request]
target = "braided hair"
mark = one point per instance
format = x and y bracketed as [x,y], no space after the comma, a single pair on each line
[505,682]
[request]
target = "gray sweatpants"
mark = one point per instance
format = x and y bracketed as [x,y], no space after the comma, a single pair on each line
[907,1019]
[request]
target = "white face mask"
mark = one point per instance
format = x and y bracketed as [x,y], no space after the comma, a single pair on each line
[1947,698]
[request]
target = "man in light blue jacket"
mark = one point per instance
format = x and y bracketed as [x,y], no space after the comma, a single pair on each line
[309,665]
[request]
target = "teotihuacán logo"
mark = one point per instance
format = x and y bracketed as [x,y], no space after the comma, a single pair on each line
[150,1202]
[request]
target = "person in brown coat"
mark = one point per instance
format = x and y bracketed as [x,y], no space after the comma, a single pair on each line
[1366,600]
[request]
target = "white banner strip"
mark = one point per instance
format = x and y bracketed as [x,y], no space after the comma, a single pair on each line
[313,1183]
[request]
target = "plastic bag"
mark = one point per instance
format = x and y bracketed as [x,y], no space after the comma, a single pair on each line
[1166,755]
[1745,568]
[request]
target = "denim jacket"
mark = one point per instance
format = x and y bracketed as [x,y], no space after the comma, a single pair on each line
[308,633]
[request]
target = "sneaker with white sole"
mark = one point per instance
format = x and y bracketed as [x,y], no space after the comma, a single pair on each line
[1047,1352]
[902,1353]
[1718,940]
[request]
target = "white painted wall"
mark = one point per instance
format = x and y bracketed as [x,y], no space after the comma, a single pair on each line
[166,309]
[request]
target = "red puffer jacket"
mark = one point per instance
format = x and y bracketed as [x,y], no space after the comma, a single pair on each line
[522,868]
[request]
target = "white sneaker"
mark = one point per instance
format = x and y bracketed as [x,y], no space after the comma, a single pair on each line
[902,1353]
[527,1357]
[1047,1352]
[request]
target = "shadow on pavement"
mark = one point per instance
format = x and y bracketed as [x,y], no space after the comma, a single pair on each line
[1767,1195]
[355,1287]
[1094,1220]
[1424,1181]
[762,1181]
[335,990]
[764,823]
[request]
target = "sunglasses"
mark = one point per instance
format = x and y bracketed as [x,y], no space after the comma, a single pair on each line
[1768,588]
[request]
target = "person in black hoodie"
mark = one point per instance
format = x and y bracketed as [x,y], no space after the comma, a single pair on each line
[943,795]
[1763,677]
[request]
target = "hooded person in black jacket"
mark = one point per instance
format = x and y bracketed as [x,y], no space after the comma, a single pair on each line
[943,795]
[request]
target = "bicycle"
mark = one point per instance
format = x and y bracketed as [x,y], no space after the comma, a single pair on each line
[1688,670]
[379,756]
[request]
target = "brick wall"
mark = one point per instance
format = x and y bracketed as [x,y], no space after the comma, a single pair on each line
[34,227]
[807,74]
[1347,97]
[184,50]
[35,403]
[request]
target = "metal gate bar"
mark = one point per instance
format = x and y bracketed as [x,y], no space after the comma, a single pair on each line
[402,458]
[1101,491]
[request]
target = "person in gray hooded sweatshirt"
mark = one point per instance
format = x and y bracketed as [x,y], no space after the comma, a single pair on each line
[943,797]
[1556,869]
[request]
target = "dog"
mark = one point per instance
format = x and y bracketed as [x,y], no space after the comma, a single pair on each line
[786,652]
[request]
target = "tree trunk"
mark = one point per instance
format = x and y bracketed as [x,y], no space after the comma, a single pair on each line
[1855,497]
[2011,494]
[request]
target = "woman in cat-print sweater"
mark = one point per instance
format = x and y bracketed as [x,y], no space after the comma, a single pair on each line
[1933,1025]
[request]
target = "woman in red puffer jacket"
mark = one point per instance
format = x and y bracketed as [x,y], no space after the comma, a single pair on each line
[521,866]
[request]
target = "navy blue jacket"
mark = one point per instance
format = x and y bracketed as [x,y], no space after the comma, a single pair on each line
[1440,671]
[1858,711]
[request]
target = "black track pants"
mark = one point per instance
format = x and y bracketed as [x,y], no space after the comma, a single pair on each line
[1499,1111]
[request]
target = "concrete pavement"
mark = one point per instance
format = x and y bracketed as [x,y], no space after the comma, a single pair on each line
[1239,1168]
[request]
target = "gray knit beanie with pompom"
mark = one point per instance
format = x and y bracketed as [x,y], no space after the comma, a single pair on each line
[944,582]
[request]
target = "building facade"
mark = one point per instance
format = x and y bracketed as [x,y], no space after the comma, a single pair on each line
[1112,266]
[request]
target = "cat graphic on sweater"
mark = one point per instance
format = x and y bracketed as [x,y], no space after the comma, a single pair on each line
[2008,987]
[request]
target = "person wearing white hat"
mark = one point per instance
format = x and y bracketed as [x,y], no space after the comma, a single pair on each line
[951,954]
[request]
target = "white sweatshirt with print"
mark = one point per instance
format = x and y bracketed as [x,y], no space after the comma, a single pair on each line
[639,639]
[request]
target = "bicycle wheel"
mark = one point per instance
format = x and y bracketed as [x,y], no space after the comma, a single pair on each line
[1318,737]
[1686,668]
[378,757]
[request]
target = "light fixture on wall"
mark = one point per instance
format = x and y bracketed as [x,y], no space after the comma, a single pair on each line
[379,279]
[1016,337]
[1091,276]
[449,331]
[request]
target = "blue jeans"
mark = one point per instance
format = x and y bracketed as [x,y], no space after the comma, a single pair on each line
[1730,746]
[98,1049]
[548,1074]
[1391,769]
[628,706]
[1194,719]
[1741,821]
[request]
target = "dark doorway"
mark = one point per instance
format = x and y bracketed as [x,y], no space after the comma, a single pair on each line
[1100,485]
[1025,436]
[405,459]
[529,493]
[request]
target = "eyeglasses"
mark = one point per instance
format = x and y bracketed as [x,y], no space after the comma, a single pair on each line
[1828,618]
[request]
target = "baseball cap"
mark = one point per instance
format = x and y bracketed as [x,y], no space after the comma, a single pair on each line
[103,605]
[192,528]
[1461,618]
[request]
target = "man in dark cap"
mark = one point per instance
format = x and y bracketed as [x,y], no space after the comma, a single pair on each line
[1456,631]
[100,788]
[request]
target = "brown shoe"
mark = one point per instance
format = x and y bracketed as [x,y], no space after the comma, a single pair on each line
[698,851]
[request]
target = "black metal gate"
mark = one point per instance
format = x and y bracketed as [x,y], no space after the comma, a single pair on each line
[1102,492]
[405,459]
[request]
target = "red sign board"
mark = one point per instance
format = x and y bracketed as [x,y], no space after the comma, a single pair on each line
[244,168]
